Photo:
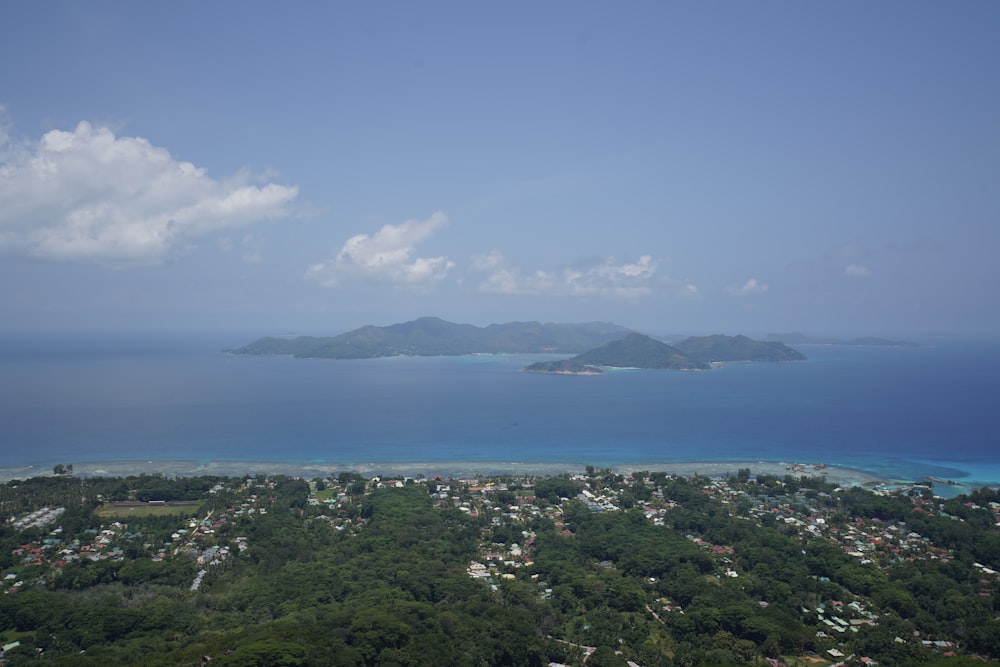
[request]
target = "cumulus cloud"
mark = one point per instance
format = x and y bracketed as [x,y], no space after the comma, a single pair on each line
[857,271]
[89,195]
[386,257]
[607,277]
[751,286]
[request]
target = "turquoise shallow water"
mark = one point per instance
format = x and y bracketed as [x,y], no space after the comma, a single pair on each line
[901,412]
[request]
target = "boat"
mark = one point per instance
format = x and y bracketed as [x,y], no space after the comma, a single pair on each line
[938,480]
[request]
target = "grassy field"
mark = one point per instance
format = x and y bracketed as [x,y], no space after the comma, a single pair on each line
[124,511]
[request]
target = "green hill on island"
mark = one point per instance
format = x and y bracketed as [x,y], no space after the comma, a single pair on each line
[643,352]
[432,336]
[736,348]
[633,351]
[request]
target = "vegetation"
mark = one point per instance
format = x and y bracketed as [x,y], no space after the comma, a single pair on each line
[639,351]
[694,353]
[594,569]
[132,510]
[429,336]
[736,348]
[564,367]
[599,344]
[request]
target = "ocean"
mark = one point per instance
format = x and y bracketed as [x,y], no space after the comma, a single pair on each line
[900,412]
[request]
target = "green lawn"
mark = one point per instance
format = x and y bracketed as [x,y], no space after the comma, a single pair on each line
[177,509]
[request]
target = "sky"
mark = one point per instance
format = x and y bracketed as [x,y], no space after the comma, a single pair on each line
[674,167]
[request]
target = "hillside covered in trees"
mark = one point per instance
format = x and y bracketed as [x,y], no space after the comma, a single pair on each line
[597,569]
[691,354]
[432,336]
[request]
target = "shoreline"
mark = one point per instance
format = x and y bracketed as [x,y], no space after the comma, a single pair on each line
[844,476]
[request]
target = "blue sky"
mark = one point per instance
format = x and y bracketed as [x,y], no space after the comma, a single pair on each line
[674,167]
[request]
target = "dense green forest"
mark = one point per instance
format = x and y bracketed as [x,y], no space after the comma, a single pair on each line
[694,353]
[600,344]
[597,569]
[633,351]
[736,348]
[434,336]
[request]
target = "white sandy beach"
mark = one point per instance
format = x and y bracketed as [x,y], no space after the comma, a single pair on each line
[447,469]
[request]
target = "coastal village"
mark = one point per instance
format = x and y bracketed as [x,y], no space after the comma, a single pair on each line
[874,543]
[208,535]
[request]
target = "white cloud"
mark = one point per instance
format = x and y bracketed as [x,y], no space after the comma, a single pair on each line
[751,286]
[386,257]
[857,271]
[89,195]
[605,277]
[492,261]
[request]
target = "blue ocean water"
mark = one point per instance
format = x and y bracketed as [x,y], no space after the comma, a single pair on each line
[901,412]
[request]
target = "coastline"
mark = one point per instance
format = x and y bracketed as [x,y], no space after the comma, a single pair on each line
[843,476]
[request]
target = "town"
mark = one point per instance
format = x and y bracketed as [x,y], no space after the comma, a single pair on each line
[741,537]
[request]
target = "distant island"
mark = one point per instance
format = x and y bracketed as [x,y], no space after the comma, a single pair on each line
[597,344]
[796,338]
[432,336]
[642,352]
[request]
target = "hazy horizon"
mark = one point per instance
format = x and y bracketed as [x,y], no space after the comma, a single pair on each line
[238,336]
[674,168]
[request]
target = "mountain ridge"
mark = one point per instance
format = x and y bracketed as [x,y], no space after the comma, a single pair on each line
[433,336]
[643,352]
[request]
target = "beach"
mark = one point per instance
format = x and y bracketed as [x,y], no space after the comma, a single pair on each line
[871,414]
[447,469]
